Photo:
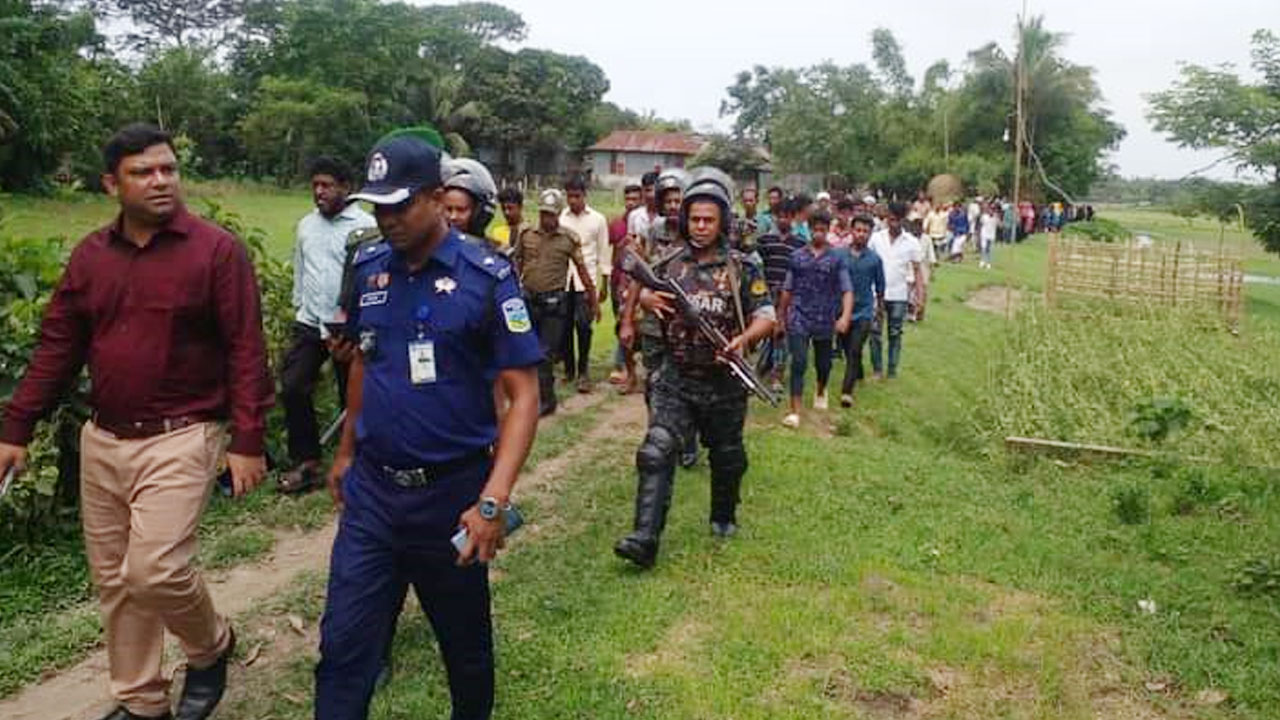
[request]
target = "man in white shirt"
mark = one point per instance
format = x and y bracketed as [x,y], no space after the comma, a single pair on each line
[989,225]
[974,211]
[639,222]
[900,252]
[318,259]
[592,229]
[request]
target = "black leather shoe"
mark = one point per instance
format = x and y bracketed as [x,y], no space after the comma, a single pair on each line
[122,713]
[643,553]
[203,689]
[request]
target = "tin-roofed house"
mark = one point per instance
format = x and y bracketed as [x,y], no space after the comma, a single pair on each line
[624,155]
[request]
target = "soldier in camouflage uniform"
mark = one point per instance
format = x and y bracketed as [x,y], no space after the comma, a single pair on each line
[661,242]
[693,391]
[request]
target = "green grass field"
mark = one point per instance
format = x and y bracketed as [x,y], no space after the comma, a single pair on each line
[894,560]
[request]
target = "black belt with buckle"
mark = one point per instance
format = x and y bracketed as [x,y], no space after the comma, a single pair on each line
[426,476]
[142,429]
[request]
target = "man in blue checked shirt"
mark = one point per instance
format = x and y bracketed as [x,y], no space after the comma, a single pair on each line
[437,319]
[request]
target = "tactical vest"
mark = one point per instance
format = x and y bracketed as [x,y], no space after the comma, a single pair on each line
[661,240]
[711,288]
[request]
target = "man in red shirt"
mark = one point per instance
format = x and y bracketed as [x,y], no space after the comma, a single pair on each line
[164,308]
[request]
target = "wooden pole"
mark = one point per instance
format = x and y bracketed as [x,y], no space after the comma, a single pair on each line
[1018,135]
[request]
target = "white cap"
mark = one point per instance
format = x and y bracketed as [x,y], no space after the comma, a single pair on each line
[869,200]
[824,195]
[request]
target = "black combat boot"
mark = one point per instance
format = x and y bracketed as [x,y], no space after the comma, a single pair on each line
[724,505]
[653,499]
[546,389]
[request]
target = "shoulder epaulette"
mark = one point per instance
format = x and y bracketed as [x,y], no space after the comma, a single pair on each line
[363,235]
[477,253]
[370,252]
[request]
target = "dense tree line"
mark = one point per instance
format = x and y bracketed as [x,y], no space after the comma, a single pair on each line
[255,87]
[875,125]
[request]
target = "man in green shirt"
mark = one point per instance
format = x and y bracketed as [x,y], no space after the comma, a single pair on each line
[542,255]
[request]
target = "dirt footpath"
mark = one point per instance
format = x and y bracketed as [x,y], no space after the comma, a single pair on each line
[80,692]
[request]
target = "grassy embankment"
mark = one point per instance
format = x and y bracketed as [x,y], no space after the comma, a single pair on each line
[893,560]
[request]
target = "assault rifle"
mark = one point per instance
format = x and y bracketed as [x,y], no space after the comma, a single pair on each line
[637,268]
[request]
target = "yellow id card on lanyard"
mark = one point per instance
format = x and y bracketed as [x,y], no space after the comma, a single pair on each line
[422,362]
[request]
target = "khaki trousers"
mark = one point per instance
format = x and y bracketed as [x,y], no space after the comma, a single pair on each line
[141,502]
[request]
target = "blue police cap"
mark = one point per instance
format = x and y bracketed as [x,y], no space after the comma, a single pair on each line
[397,168]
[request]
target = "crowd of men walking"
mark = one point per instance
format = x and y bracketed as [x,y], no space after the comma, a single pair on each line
[444,329]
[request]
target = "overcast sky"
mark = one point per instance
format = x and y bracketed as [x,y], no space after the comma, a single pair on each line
[699,46]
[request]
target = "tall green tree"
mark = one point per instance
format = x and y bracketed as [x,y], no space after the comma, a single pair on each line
[60,93]
[182,90]
[536,99]
[409,64]
[293,120]
[187,24]
[1067,130]
[1212,108]
[873,127]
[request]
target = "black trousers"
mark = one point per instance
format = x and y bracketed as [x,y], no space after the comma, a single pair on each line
[713,408]
[299,373]
[550,314]
[854,341]
[581,317]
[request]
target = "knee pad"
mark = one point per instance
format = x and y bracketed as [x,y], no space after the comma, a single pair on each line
[728,461]
[658,450]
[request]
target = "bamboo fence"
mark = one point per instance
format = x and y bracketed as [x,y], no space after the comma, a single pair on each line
[1173,274]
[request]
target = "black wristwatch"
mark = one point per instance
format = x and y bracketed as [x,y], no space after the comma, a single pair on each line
[489,508]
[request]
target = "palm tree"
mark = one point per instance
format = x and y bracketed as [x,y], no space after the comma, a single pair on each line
[436,100]
[1049,87]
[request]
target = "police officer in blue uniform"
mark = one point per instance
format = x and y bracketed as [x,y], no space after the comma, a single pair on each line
[437,320]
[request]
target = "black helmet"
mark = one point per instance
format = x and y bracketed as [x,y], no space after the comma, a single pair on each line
[671,179]
[708,183]
[473,177]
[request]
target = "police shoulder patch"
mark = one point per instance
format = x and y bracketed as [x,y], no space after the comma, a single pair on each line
[516,315]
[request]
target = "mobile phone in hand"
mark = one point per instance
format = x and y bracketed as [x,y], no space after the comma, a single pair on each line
[511,518]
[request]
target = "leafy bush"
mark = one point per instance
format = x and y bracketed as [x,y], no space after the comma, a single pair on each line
[29,270]
[1131,504]
[1258,576]
[1154,420]
[1100,229]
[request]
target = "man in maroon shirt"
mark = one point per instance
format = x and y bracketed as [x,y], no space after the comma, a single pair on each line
[164,308]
